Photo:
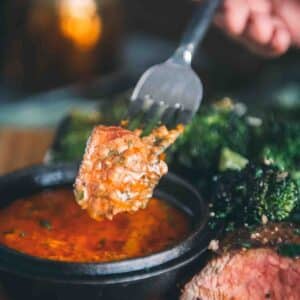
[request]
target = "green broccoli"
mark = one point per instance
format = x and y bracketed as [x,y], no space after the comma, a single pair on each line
[230,160]
[214,128]
[275,194]
[254,195]
[71,145]
[281,146]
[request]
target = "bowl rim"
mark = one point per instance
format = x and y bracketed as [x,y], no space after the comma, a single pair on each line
[23,264]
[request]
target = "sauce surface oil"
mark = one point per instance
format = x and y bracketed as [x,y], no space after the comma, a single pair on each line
[51,225]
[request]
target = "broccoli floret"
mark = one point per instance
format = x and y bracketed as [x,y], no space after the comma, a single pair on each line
[72,142]
[254,195]
[213,129]
[275,194]
[230,160]
[282,144]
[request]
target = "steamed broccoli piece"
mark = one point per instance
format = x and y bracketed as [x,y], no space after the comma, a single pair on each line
[73,139]
[255,195]
[275,194]
[230,160]
[282,146]
[214,128]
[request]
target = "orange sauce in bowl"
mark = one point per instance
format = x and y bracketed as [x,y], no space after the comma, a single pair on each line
[51,225]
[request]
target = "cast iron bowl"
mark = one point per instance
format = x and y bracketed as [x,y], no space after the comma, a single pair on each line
[154,277]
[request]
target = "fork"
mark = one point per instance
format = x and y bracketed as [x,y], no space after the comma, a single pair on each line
[170,93]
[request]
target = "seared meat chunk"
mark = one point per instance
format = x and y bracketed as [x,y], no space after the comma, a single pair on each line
[255,274]
[120,169]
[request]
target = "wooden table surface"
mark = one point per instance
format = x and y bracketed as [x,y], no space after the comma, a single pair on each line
[22,147]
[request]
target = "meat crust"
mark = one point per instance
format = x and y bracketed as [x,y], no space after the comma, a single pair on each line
[120,169]
[254,274]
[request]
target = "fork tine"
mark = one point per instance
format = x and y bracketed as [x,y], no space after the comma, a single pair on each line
[144,114]
[134,109]
[153,117]
[184,116]
[149,120]
[168,116]
[139,104]
[136,121]
[134,114]
[178,115]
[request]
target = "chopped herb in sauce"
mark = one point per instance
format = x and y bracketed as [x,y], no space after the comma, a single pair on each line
[171,220]
[45,224]
[113,153]
[158,141]
[121,159]
[79,195]
[22,234]
[102,243]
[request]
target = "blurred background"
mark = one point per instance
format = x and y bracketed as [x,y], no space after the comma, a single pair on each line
[58,56]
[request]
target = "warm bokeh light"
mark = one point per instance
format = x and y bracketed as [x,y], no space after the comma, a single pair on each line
[80,22]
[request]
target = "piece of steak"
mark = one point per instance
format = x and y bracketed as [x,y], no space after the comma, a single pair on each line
[254,274]
[120,169]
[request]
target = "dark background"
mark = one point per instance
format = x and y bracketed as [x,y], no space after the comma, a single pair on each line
[35,56]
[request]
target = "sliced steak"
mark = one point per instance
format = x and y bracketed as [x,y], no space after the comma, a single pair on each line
[254,274]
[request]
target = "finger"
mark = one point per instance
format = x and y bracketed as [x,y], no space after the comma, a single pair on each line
[281,41]
[260,6]
[289,12]
[260,28]
[233,16]
[278,44]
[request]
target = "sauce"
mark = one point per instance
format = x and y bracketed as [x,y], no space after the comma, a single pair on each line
[51,225]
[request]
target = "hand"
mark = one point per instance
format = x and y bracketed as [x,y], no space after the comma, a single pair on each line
[267,27]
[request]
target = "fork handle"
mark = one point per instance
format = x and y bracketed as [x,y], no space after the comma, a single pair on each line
[195,31]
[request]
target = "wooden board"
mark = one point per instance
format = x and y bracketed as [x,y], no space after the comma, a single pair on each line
[20,148]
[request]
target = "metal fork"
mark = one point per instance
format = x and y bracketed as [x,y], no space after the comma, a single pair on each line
[171,92]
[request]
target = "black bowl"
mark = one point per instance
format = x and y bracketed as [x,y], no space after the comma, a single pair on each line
[157,276]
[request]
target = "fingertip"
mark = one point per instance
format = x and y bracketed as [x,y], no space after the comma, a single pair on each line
[260,6]
[281,41]
[234,16]
[260,28]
